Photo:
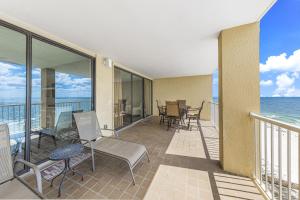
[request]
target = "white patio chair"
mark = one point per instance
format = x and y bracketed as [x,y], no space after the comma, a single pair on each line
[11,185]
[90,132]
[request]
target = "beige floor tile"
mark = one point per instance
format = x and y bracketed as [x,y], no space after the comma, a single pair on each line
[187,143]
[183,165]
[170,180]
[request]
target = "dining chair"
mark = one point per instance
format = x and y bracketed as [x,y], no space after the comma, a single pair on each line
[194,114]
[173,113]
[182,109]
[161,112]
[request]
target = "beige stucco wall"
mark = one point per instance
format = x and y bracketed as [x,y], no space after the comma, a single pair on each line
[104,93]
[194,89]
[238,95]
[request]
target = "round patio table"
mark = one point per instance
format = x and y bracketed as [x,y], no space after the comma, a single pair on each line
[66,153]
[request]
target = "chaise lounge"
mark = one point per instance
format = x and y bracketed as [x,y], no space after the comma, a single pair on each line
[90,133]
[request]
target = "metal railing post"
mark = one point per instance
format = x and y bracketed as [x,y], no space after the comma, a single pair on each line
[289,164]
[266,155]
[272,162]
[280,162]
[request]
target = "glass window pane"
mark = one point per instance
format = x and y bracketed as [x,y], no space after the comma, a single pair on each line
[61,85]
[147,97]
[137,98]
[13,86]
[122,98]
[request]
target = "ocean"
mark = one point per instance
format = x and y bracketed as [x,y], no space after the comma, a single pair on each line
[286,109]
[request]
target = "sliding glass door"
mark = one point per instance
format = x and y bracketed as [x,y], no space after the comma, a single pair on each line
[122,98]
[61,85]
[147,97]
[132,97]
[137,98]
[13,87]
[42,84]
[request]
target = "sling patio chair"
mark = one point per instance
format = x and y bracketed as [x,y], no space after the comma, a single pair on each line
[194,114]
[90,133]
[161,112]
[173,114]
[65,128]
[11,185]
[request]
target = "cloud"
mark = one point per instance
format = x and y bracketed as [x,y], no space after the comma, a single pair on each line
[284,81]
[13,82]
[266,82]
[69,85]
[295,75]
[285,85]
[282,63]
[6,68]
[12,77]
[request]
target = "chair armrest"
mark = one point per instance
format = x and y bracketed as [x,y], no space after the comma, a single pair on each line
[112,130]
[36,171]
[193,109]
[84,142]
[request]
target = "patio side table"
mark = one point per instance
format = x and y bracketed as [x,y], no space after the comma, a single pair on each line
[66,153]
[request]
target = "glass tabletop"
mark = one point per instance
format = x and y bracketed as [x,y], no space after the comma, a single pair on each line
[66,152]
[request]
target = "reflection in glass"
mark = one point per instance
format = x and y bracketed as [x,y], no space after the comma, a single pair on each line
[13,87]
[137,98]
[122,98]
[147,98]
[61,85]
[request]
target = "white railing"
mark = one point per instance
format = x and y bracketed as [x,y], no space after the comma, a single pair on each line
[214,114]
[277,157]
[14,114]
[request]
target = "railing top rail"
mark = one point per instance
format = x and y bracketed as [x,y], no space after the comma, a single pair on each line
[275,122]
[11,105]
[21,104]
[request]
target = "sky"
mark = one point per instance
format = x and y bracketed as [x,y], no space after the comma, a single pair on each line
[13,82]
[279,51]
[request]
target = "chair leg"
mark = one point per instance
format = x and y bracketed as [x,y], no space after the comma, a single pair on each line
[93,159]
[147,154]
[189,124]
[54,140]
[133,180]
[198,124]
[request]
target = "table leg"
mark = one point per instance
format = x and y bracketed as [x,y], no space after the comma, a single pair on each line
[57,176]
[67,166]
[78,173]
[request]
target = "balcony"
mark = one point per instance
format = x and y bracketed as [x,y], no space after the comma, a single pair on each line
[184,165]
[167,56]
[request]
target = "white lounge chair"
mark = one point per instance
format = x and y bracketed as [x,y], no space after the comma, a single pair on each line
[90,132]
[11,185]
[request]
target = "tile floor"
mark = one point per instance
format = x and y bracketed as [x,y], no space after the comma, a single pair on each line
[183,165]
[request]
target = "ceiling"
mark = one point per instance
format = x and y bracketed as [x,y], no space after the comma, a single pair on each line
[158,38]
[44,55]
